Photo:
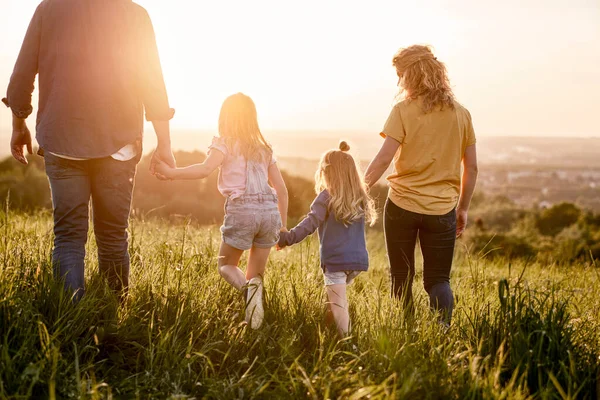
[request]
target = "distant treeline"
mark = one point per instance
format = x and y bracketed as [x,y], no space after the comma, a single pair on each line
[563,233]
[497,226]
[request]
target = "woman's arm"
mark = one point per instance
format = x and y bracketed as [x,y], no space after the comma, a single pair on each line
[469,179]
[195,171]
[276,180]
[310,223]
[382,161]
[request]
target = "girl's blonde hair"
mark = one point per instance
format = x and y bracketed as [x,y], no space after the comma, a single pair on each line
[422,75]
[238,125]
[339,174]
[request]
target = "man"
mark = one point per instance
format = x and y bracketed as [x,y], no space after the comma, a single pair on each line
[99,70]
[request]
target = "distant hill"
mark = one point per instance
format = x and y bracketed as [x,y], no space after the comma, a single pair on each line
[295,145]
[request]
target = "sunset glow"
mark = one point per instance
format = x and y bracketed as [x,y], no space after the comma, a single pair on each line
[326,65]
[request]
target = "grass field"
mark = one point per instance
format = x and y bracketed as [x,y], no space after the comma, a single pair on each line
[519,331]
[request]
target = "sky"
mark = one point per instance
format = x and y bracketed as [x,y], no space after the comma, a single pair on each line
[522,67]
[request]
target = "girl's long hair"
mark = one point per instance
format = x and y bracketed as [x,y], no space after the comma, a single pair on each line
[339,174]
[423,76]
[238,125]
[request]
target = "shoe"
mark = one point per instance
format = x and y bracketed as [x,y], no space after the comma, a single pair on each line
[255,312]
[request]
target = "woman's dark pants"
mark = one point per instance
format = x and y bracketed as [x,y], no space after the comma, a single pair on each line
[437,236]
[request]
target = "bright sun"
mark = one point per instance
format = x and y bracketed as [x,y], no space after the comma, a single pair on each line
[300,65]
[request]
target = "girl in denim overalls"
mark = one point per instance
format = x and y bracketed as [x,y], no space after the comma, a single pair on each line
[254,210]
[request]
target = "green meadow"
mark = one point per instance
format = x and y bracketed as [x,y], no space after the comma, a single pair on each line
[521,330]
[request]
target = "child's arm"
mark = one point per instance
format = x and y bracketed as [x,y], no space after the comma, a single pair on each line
[314,219]
[195,171]
[276,180]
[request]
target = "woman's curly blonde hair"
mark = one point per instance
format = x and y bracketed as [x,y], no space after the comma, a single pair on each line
[423,76]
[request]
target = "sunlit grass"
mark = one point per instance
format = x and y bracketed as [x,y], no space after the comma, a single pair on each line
[519,330]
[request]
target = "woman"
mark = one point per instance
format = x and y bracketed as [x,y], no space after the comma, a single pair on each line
[428,135]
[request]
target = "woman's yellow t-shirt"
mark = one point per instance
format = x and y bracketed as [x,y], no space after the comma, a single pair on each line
[427,166]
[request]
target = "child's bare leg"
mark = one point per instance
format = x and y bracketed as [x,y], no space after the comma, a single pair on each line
[229,258]
[338,304]
[257,261]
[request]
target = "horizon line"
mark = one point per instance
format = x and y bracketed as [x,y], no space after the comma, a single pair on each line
[362,132]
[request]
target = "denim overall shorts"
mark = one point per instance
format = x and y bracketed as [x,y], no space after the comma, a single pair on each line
[253,219]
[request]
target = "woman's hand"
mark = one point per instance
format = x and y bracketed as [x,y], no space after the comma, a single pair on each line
[469,178]
[461,221]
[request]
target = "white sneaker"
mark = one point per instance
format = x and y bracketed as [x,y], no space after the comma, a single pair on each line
[255,312]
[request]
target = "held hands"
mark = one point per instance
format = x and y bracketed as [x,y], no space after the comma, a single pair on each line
[164,155]
[163,171]
[21,137]
[277,246]
[461,221]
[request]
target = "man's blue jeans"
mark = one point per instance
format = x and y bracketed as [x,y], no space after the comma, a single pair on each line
[109,184]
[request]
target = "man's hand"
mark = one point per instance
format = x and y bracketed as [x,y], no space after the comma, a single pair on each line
[20,137]
[163,171]
[162,154]
[163,148]
[461,221]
